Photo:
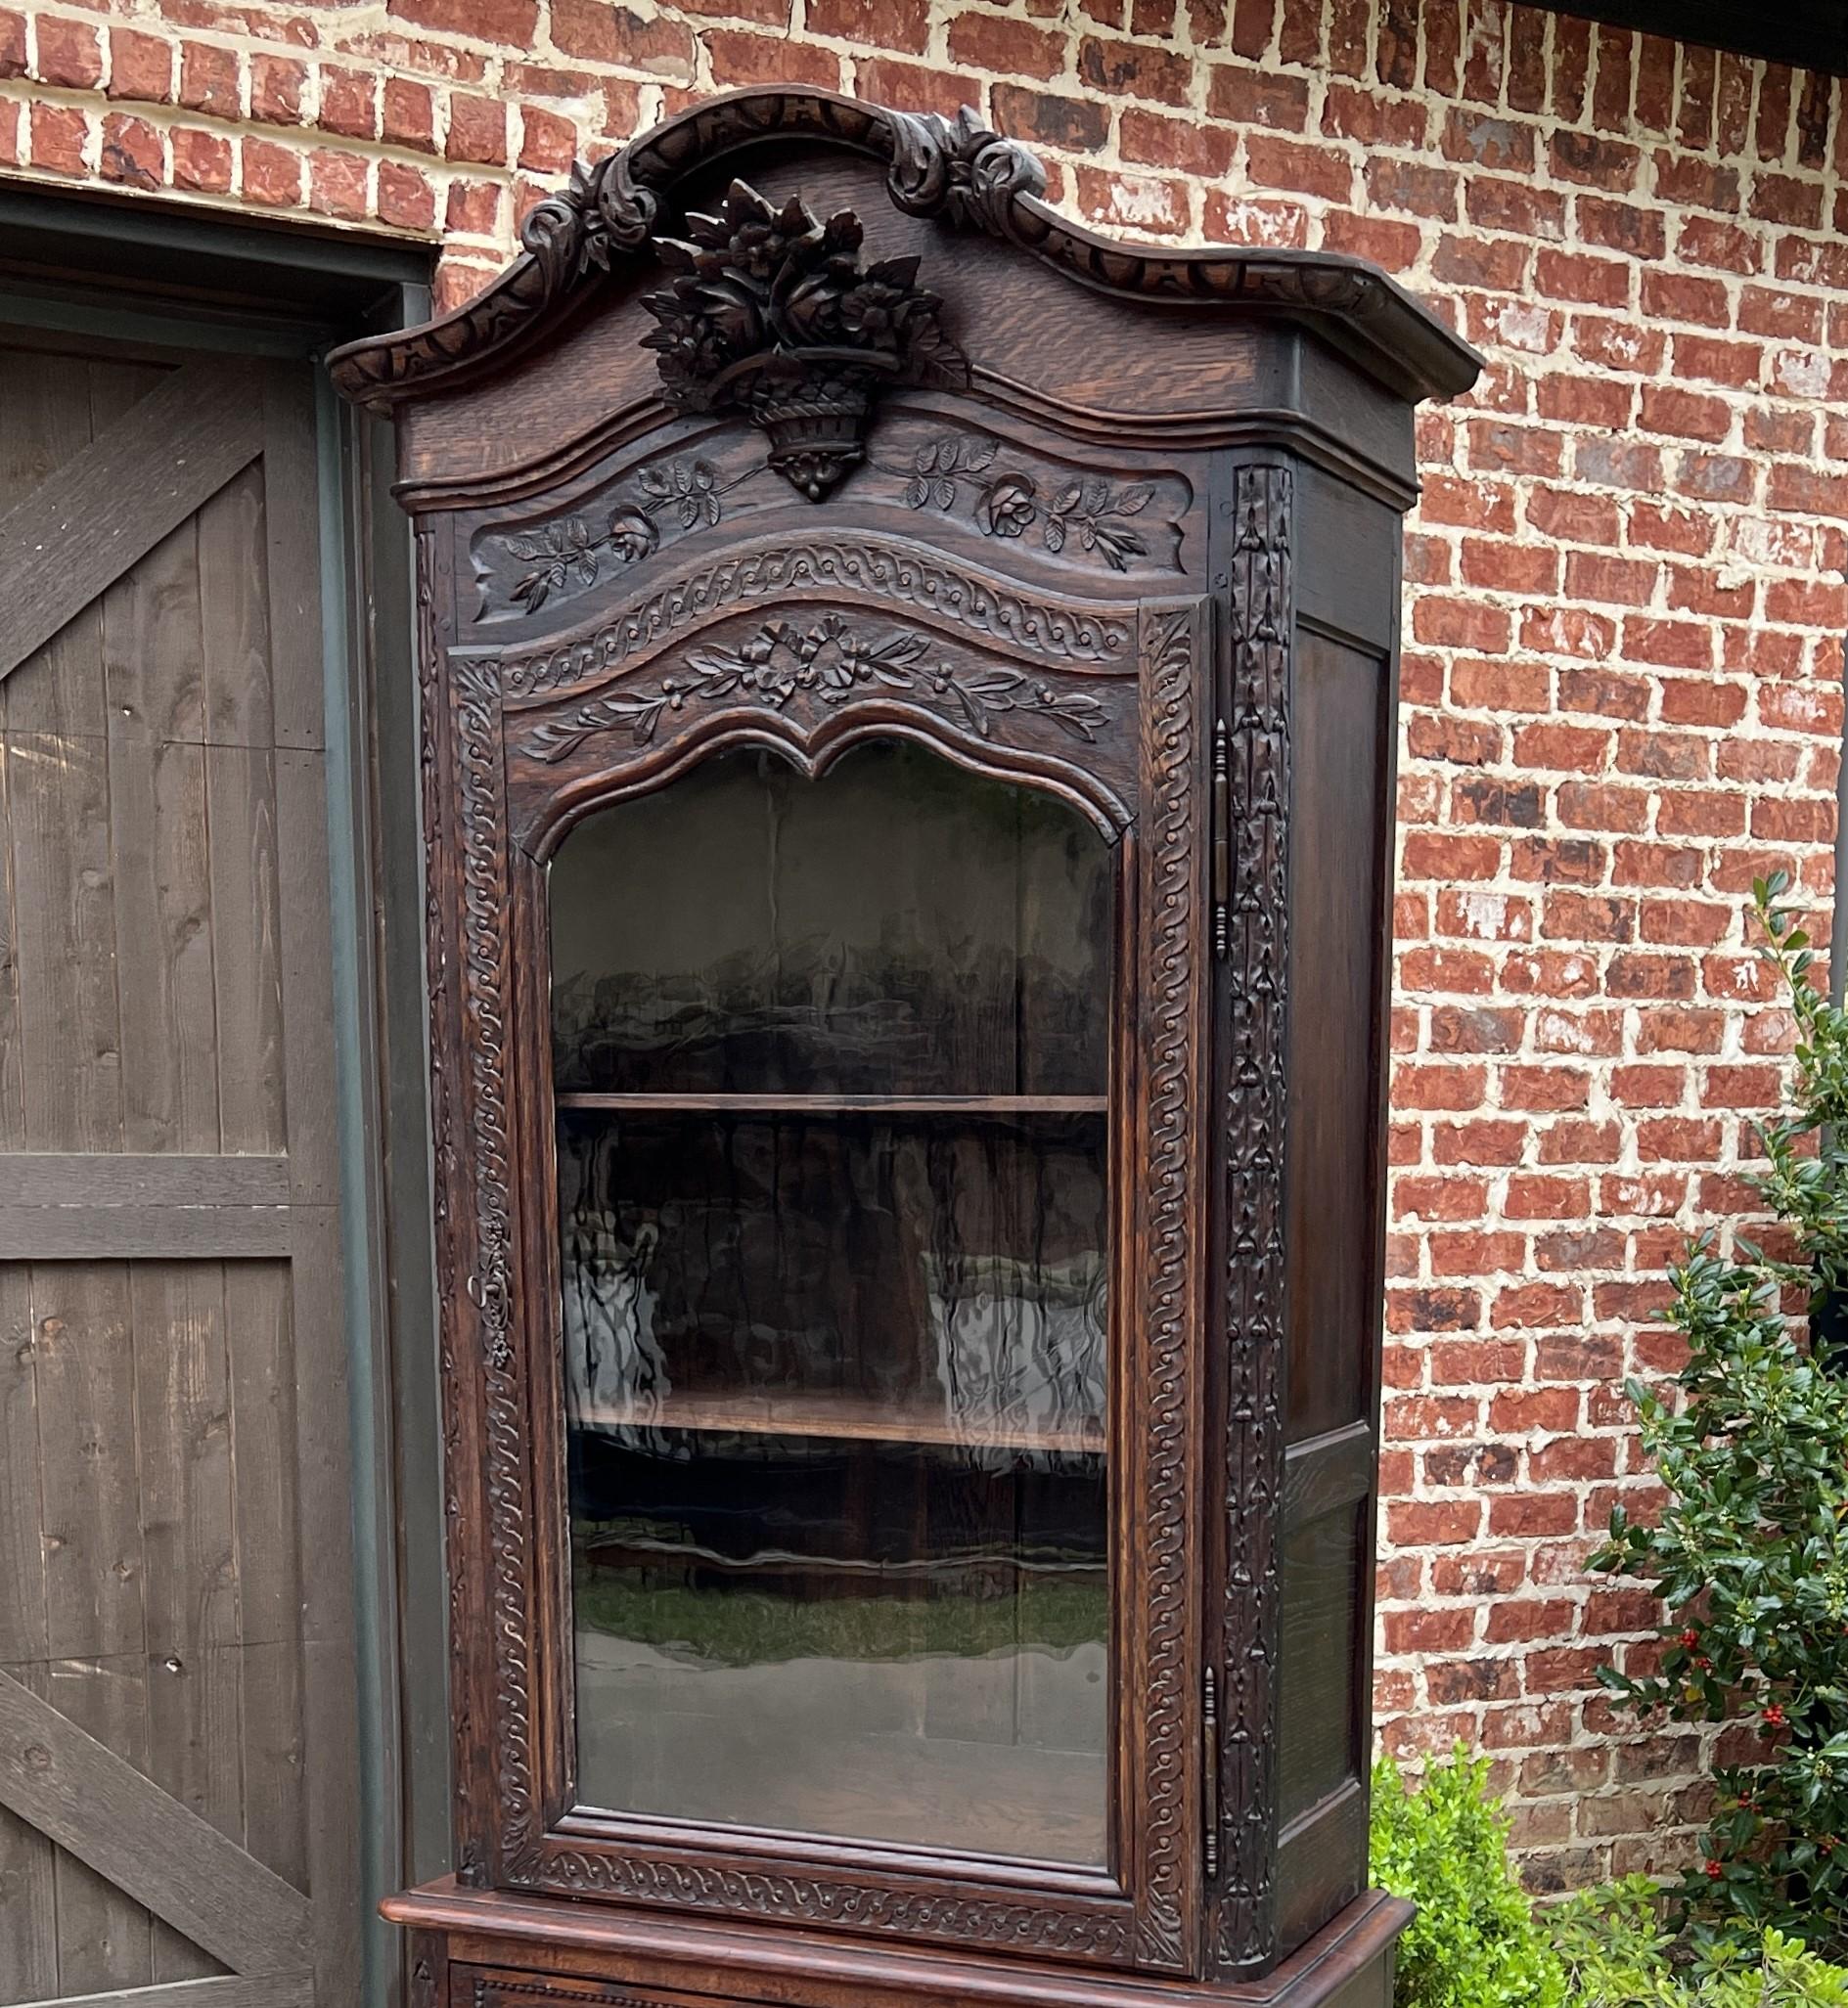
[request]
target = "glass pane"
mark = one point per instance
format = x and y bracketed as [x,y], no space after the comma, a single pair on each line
[835,1373]
[899,927]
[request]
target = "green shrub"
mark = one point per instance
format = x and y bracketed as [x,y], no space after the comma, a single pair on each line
[1478,1943]
[1474,1943]
[1616,1954]
[1751,1553]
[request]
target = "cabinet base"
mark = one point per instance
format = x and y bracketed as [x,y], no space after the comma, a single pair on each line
[475,1948]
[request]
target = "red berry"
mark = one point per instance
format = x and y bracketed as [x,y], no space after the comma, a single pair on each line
[1690,1637]
[1705,1665]
[1714,1871]
[1775,1717]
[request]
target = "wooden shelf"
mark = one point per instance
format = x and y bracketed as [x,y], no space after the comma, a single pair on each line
[849,1418]
[1010,1105]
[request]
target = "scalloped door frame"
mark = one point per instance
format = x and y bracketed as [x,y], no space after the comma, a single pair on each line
[498,793]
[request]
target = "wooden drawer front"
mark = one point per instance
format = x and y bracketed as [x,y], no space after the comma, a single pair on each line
[494,1986]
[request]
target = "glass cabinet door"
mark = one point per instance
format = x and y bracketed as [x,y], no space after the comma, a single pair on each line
[832,1068]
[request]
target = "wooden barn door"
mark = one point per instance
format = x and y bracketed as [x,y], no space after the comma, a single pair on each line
[177,1788]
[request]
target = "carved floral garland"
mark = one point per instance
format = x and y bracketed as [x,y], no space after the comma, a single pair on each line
[1009,505]
[1091,514]
[569,551]
[830,662]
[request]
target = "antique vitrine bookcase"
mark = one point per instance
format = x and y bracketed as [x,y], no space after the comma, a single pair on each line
[908,698]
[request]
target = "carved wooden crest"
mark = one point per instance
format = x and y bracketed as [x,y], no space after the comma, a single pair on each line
[772,315]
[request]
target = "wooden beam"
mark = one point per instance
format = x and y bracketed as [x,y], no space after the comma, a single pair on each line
[225,1990]
[144,1234]
[97,1807]
[86,524]
[99,1179]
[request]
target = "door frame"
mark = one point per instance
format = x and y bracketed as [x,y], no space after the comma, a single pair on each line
[152,271]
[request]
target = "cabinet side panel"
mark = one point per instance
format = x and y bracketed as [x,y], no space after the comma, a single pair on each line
[1337,924]
[1318,1707]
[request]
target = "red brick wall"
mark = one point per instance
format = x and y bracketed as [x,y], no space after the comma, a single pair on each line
[1622,665]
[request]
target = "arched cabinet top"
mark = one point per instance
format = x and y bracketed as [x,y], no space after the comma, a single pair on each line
[628,218]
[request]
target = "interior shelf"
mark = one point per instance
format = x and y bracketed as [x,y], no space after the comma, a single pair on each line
[1012,1105]
[843,1417]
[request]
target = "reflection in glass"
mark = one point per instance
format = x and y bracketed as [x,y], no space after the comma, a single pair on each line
[836,1368]
[898,927]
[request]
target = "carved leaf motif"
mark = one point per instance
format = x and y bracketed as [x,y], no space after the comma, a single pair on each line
[831,661]
[567,552]
[770,313]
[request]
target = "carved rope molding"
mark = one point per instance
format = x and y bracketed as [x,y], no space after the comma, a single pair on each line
[1171,964]
[1055,632]
[993,1923]
[1255,1105]
[488,1274]
[448,1163]
[959,171]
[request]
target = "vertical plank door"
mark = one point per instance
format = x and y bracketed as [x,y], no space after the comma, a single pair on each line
[177,1744]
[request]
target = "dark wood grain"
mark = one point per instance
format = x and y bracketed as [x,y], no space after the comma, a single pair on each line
[961,173]
[1123,547]
[529,1939]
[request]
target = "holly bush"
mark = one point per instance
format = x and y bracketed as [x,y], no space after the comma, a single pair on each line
[1616,1954]
[1750,1553]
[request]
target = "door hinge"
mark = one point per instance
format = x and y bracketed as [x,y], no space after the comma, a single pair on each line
[1209,1777]
[1222,840]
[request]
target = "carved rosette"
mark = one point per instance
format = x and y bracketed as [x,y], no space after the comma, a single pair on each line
[1255,1103]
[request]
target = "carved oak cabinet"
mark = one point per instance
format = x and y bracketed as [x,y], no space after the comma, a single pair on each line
[908,697]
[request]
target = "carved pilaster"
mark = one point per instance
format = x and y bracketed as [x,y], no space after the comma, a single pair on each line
[1257,975]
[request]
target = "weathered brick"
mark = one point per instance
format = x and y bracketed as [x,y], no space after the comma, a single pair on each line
[69,54]
[141,66]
